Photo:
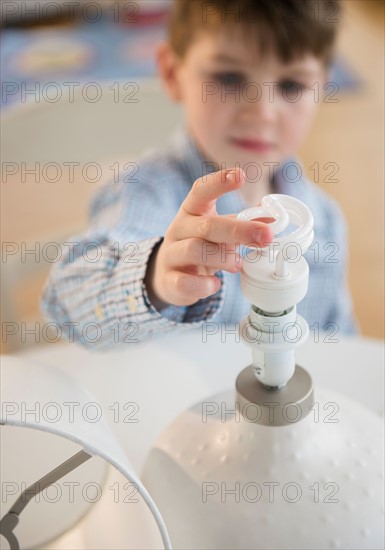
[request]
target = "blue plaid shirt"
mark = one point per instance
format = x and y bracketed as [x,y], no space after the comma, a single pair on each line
[96,293]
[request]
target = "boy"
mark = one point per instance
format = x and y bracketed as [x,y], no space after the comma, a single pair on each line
[245,71]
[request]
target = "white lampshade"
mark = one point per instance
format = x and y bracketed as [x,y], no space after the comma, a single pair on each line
[66,421]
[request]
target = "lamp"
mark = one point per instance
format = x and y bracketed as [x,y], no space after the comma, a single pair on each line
[276,463]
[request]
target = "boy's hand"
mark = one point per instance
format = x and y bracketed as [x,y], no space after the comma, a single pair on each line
[199,243]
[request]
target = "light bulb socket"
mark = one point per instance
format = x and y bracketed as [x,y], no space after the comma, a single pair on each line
[274,406]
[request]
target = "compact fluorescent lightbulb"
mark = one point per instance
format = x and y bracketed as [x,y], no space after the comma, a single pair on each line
[275,281]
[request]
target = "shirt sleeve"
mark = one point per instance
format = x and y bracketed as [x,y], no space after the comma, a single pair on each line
[96,295]
[105,303]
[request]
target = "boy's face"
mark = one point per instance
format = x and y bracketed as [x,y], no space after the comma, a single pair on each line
[241,106]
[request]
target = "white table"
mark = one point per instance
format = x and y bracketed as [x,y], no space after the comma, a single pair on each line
[156,380]
[167,374]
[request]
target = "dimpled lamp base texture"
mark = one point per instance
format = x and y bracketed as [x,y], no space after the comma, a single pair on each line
[221,481]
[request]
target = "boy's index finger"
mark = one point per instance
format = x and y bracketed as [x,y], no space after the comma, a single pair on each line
[207,189]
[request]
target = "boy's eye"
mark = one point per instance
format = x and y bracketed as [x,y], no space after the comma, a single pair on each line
[228,78]
[289,86]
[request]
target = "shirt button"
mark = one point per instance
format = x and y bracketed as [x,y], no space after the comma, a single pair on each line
[99,313]
[132,303]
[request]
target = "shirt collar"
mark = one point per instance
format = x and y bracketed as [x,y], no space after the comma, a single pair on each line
[188,154]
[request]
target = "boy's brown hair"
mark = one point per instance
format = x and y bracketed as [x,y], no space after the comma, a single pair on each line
[292,27]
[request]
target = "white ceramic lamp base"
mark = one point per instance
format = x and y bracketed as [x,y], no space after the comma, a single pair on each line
[223,482]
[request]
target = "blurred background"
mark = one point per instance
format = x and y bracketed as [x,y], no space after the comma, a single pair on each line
[81,101]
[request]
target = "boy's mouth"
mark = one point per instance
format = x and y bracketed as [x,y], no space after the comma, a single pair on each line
[253,145]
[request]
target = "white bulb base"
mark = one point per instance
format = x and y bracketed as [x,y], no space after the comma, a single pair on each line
[261,286]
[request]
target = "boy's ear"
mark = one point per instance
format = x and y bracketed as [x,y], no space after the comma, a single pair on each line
[168,70]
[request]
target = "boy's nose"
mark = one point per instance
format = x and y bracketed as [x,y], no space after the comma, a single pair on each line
[262,109]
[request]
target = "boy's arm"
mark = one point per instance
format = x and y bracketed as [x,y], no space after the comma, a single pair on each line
[103,303]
